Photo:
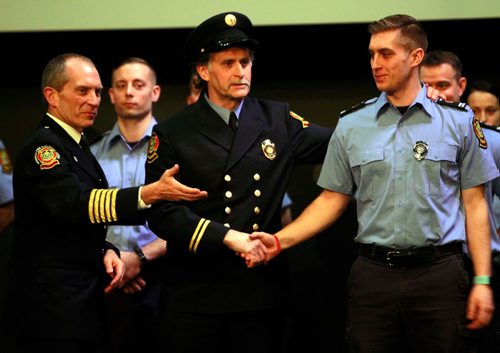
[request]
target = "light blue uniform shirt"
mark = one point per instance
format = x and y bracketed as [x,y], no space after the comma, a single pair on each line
[403,202]
[124,167]
[492,188]
[6,190]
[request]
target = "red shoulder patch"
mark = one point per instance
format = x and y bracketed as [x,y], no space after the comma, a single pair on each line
[478,131]
[47,157]
[5,162]
[154,143]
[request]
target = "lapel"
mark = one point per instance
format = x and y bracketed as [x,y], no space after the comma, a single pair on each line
[87,163]
[210,124]
[250,124]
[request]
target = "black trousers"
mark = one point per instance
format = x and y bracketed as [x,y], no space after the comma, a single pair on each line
[132,319]
[409,309]
[58,346]
[247,332]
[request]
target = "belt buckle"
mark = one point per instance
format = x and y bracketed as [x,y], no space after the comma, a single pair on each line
[390,255]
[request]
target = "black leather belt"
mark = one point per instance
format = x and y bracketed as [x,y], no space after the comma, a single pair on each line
[408,257]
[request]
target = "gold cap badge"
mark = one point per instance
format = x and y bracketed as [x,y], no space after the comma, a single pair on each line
[230,20]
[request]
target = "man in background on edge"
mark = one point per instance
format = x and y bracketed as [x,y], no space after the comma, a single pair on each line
[6,233]
[443,71]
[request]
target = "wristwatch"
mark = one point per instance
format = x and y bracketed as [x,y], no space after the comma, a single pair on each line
[140,253]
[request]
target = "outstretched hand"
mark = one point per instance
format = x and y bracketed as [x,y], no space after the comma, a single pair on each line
[170,189]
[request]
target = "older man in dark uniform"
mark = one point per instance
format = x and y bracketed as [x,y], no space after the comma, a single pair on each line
[61,263]
[242,150]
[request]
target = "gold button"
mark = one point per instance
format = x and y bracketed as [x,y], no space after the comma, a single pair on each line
[257,193]
[229,194]
[256,210]
[228,210]
[227,177]
[256,177]
[227,225]
[255,226]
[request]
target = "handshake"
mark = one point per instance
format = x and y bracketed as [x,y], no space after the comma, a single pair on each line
[256,248]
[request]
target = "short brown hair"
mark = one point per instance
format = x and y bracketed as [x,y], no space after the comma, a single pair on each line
[412,33]
[438,57]
[133,60]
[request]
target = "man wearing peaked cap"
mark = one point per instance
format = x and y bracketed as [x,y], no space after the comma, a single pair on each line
[218,33]
[242,150]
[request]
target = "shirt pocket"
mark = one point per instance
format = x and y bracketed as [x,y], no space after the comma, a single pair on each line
[437,171]
[369,171]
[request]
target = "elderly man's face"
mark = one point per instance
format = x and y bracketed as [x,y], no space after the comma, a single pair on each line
[228,74]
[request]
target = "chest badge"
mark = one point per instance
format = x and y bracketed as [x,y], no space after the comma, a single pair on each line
[269,149]
[420,150]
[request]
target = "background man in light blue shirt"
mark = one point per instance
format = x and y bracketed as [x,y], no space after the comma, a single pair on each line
[122,153]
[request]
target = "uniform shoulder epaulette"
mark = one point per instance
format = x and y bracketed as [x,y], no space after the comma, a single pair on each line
[457,105]
[489,127]
[356,107]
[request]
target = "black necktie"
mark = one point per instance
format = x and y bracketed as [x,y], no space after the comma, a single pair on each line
[233,122]
[84,143]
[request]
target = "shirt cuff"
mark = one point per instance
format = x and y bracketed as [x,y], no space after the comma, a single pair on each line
[141,205]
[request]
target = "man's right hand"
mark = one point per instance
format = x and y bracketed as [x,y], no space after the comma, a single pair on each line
[252,250]
[169,189]
[270,242]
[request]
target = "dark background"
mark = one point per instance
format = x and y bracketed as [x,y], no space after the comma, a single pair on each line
[291,53]
[320,70]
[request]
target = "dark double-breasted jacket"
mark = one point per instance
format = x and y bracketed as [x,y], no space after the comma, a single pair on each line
[62,207]
[246,177]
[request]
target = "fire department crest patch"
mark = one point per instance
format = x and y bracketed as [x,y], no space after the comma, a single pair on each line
[154,143]
[478,131]
[5,162]
[47,157]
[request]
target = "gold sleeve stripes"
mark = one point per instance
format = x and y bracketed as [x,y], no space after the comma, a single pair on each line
[198,234]
[102,206]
